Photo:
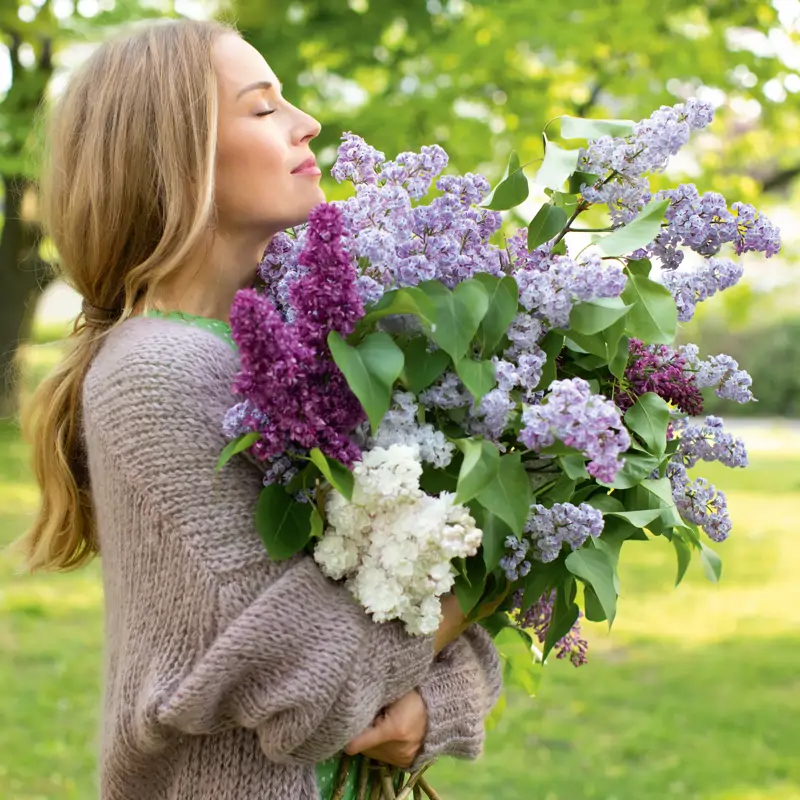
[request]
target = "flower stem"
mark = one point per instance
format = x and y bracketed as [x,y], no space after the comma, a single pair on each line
[426,787]
[342,776]
[582,206]
[363,779]
[411,786]
[386,781]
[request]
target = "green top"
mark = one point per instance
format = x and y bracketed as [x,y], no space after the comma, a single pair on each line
[328,770]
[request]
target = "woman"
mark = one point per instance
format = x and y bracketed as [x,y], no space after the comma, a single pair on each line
[173,159]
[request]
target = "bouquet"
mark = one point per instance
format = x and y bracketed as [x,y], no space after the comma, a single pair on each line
[442,405]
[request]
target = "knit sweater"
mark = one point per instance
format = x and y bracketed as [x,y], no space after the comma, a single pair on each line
[229,676]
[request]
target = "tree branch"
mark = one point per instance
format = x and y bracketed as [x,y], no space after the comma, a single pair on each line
[780,179]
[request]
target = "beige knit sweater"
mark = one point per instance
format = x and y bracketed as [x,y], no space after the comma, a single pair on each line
[228,676]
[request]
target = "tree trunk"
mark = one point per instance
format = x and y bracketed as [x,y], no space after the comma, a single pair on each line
[23,275]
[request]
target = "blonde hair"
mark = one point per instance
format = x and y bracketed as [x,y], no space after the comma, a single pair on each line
[127,194]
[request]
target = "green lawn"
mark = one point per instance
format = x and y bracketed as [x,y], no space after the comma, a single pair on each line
[695,694]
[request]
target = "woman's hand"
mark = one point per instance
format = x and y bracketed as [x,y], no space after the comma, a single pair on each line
[397,734]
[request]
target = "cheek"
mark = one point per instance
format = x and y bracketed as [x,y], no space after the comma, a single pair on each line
[251,168]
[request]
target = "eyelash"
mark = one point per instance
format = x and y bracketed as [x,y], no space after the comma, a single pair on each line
[267,112]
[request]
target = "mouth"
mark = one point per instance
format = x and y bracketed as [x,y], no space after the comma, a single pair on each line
[307,167]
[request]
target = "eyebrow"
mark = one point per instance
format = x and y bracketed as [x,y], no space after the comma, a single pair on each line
[253,86]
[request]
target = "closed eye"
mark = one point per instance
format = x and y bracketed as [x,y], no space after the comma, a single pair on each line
[266,112]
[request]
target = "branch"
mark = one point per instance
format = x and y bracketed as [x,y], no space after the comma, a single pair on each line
[780,179]
[583,108]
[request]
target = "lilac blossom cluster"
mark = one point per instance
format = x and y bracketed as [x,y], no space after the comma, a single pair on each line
[294,395]
[693,285]
[661,369]
[699,502]
[546,531]
[720,372]
[622,163]
[708,442]
[538,618]
[550,285]
[588,422]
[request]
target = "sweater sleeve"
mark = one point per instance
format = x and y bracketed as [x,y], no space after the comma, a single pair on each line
[215,634]
[459,691]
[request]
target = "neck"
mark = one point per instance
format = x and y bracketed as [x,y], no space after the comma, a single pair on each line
[206,286]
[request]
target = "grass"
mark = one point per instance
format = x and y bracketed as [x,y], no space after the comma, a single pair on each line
[695,693]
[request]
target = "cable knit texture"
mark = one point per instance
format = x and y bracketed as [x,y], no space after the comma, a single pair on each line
[229,676]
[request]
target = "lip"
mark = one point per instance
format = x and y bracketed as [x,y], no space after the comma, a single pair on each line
[308,167]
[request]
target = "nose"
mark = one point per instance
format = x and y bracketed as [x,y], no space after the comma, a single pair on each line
[307,128]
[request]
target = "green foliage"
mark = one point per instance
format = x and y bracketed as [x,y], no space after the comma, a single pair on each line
[236,446]
[478,468]
[283,524]
[548,222]
[503,294]
[638,233]
[336,473]
[512,190]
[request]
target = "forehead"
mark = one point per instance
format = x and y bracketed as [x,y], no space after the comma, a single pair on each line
[238,64]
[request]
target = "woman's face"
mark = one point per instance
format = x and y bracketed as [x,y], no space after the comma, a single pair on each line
[266,177]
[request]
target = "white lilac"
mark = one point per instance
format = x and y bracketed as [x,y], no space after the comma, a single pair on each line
[709,442]
[588,422]
[393,543]
[700,502]
[720,372]
[400,426]
[691,286]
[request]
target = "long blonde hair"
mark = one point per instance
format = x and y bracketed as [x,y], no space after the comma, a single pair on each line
[127,193]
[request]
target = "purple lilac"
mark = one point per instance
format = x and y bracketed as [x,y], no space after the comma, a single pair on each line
[720,372]
[515,563]
[446,392]
[756,232]
[538,618]
[588,422]
[709,442]
[690,287]
[356,161]
[415,171]
[660,369]
[550,528]
[550,293]
[700,502]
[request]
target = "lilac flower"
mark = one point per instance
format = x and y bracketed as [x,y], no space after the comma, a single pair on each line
[550,528]
[756,232]
[446,392]
[492,414]
[514,563]
[538,618]
[279,268]
[550,293]
[660,369]
[588,422]
[415,171]
[691,287]
[356,160]
[721,372]
[709,442]
[700,502]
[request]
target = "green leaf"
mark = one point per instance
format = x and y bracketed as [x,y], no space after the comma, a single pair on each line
[596,315]
[477,376]
[458,314]
[649,419]
[512,190]
[409,300]
[684,555]
[421,366]
[305,479]
[612,507]
[574,467]
[552,344]
[557,166]
[637,233]
[562,491]
[371,369]
[336,473]
[565,614]
[495,533]
[639,266]
[317,524]
[565,200]
[580,128]
[712,564]
[547,223]
[619,362]
[236,446]
[580,179]
[283,524]
[636,468]
[509,493]
[479,467]
[503,295]
[592,605]
[592,565]
[469,589]
[654,316]
[515,648]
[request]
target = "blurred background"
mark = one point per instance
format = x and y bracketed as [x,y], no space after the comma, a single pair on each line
[696,692]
